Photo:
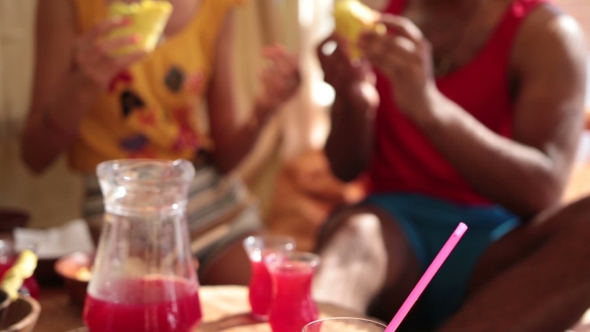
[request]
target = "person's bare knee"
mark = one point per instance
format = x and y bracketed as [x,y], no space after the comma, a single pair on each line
[354,263]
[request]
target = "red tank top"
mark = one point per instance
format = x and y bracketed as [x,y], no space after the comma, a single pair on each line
[405,160]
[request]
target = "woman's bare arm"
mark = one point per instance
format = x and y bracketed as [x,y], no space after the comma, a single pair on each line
[234,139]
[68,78]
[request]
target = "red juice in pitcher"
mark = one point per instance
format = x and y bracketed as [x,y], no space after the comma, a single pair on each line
[293,306]
[144,305]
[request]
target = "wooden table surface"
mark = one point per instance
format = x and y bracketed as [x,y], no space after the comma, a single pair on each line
[57,314]
[225,308]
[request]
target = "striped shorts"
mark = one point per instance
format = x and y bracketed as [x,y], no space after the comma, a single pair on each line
[219,211]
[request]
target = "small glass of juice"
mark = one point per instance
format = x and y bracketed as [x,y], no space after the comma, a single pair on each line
[260,288]
[293,306]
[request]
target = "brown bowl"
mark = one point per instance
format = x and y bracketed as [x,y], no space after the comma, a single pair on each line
[22,315]
[4,303]
[68,268]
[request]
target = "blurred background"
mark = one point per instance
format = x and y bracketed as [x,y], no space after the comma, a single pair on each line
[54,198]
[287,172]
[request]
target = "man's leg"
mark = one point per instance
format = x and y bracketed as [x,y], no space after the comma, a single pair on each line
[364,255]
[536,279]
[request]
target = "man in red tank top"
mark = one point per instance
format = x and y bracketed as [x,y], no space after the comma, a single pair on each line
[465,111]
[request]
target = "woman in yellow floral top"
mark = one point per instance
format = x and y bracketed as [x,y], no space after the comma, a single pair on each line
[96,107]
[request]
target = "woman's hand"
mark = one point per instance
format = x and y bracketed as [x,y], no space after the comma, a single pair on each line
[280,79]
[405,56]
[94,57]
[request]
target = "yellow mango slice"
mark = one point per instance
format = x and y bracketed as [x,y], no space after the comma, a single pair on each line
[353,17]
[22,269]
[148,20]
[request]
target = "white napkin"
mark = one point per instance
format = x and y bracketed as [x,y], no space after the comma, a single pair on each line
[56,242]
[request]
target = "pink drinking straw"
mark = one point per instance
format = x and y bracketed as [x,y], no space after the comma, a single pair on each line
[427,277]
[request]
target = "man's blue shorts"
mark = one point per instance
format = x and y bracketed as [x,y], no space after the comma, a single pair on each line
[428,223]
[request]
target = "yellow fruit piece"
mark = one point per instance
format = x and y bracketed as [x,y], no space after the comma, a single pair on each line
[148,20]
[22,269]
[352,18]
[83,274]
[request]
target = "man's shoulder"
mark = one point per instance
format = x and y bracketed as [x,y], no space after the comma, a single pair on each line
[549,28]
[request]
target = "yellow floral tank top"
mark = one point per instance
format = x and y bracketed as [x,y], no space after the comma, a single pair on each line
[153,109]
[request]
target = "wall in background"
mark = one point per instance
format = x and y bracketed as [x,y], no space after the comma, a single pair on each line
[54,197]
[16,46]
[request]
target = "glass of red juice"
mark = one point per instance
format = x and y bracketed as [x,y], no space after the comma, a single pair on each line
[260,287]
[293,306]
[143,277]
[8,256]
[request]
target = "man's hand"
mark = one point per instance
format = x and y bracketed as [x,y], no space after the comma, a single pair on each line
[405,56]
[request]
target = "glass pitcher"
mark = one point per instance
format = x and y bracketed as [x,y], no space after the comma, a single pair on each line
[143,278]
